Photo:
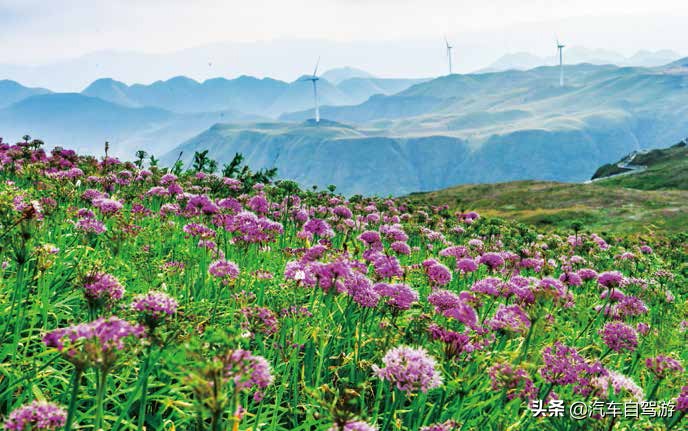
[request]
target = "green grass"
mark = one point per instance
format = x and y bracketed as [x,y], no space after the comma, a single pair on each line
[552,204]
[666,169]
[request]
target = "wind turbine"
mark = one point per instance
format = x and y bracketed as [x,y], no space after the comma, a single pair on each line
[314,79]
[560,49]
[449,57]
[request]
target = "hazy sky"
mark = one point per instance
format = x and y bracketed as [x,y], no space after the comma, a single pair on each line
[44,31]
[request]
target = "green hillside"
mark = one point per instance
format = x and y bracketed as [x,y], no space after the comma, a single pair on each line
[643,191]
[664,169]
[558,205]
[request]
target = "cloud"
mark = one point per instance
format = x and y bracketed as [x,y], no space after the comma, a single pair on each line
[36,31]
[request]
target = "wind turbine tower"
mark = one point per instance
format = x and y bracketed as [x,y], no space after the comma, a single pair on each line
[314,79]
[560,49]
[449,56]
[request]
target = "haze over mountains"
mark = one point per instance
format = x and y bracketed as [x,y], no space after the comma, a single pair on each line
[382,136]
[579,54]
[163,114]
[469,129]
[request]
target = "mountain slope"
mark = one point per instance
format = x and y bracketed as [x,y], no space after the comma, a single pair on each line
[336,76]
[12,92]
[185,95]
[660,169]
[85,123]
[370,162]
[246,94]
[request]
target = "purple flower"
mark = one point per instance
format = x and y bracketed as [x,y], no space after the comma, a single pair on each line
[563,365]
[619,336]
[400,296]
[616,383]
[448,425]
[510,318]
[259,204]
[682,400]
[488,286]
[224,270]
[199,230]
[466,265]
[260,320]
[91,225]
[248,228]
[353,426]
[439,274]
[662,366]
[36,416]
[630,306]
[318,227]
[370,237]
[154,306]
[587,274]
[342,212]
[360,288]
[393,232]
[409,369]
[457,251]
[107,206]
[93,343]
[400,247]
[492,260]
[387,267]
[247,371]
[102,287]
[515,381]
[610,279]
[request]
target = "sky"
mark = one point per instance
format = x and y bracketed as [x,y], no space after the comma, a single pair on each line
[45,32]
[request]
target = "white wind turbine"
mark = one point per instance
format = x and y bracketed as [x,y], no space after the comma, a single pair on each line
[314,79]
[449,56]
[560,50]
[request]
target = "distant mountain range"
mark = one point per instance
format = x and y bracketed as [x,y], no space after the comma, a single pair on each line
[165,113]
[382,136]
[11,92]
[578,55]
[267,97]
[84,123]
[474,128]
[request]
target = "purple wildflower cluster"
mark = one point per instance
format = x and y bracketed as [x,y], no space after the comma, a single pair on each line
[409,369]
[154,307]
[563,365]
[613,384]
[514,381]
[224,270]
[619,336]
[438,274]
[353,426]
[510,318]
[399,296]
[455,306]
[93,343]
[36,416]
[247,371]
[663,366]
[102,288]
[448,425]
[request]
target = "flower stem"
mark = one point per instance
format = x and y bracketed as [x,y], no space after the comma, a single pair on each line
[76,379]
[144,391]
[100,395]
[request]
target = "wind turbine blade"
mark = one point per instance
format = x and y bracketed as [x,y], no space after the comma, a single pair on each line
[316,67]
